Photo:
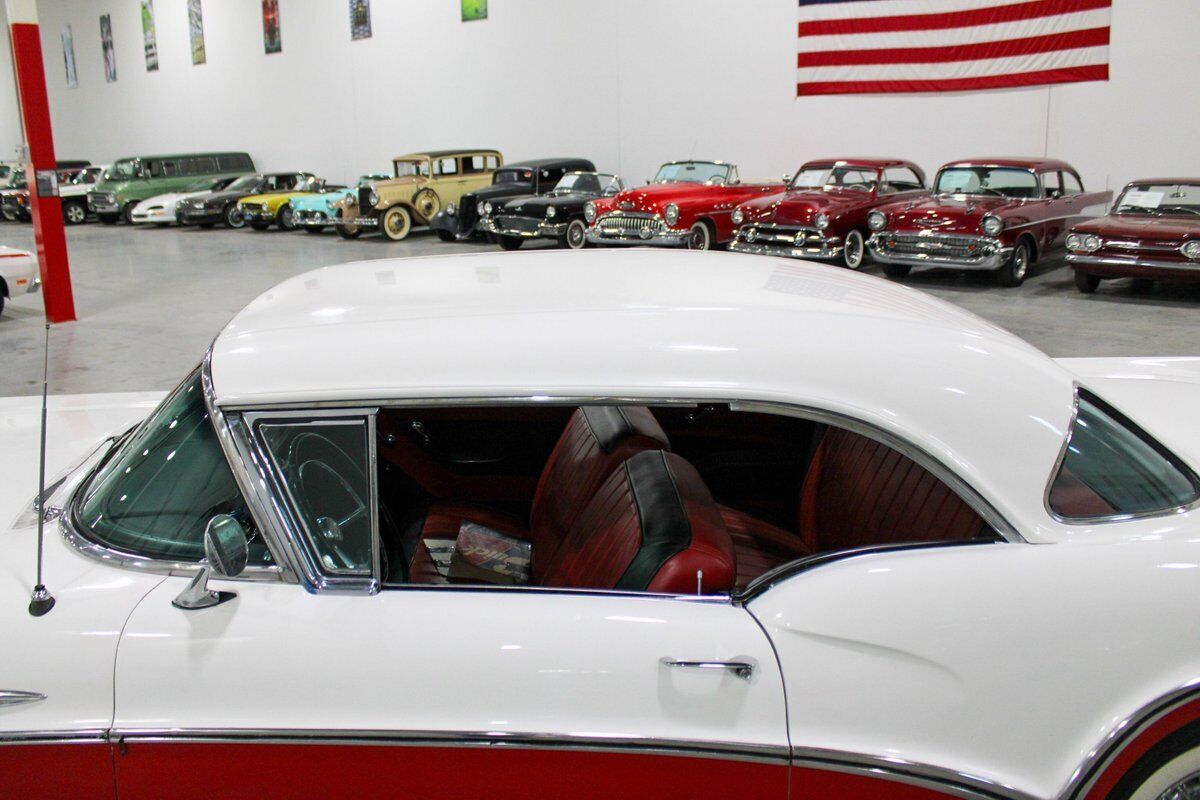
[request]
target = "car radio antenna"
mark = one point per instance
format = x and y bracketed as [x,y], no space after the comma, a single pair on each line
[42,601]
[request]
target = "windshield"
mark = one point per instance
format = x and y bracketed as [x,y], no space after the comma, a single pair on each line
[406,168]
[206,185]
[19,181]
[89,175]
[309,184]
[588,183]
[513,176]
[692,172]
[123,170]
[1161,199]
[843,177]
[246,183]
[155,496]
[998,181]
[375,176]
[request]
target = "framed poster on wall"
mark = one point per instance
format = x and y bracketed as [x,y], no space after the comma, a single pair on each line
[272,43]
[68,45]
[106,44]
[474,9]
[360,19]
[196,31]
[149,37]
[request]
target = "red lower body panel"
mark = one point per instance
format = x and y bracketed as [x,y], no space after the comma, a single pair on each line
[254,771]
[814,784]
[75,771]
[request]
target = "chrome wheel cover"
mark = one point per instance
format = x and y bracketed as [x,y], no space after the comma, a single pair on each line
[576,237]
[698,238]
[75,214]
[854,257]
[1020,263]
[1186,789]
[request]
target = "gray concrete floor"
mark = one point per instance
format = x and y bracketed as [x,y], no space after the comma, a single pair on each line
[150,301]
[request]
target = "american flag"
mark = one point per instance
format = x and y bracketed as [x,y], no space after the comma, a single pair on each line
[874,46]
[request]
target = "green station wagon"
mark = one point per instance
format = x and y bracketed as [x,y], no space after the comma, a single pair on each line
[131,180]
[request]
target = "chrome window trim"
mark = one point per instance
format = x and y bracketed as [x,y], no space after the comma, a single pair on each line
[738,751]
[1143,434]
[284,504]
[940,779]
[73,535]
[1102,756]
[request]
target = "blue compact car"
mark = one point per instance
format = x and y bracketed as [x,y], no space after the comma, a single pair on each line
[315,212]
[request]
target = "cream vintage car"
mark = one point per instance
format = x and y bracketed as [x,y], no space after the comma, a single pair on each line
[423,185]
[607,525]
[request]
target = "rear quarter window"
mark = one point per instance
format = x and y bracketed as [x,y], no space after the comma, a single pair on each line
[1111,468]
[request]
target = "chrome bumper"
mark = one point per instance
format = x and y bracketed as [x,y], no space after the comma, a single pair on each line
[667,237]
[104,208]
[992,255]
[315,221]
[548,230]
[358,222]
[35,285]
[827,250]
[1132,263]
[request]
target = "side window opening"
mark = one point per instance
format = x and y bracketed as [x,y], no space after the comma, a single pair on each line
[1052,183]
[901,179]
[1112,468]
[532,496]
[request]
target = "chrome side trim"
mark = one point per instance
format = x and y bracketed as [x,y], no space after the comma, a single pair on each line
[938,779]
[1155,445]
[541,741]
[1135,262]
[83,736]
[18,697]
[1122,733]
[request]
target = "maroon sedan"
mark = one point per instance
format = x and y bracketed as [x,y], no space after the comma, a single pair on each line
[1152,234]
[823,213]
[993,214]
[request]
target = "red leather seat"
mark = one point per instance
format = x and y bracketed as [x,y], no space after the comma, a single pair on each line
[596,441]
[859,492]
[652,526]
[759,546]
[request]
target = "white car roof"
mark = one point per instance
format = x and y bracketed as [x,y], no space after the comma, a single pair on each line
[649,324]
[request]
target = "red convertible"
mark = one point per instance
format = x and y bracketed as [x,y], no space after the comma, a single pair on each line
[1153,233]
[994,214]
[687,204]
[823,213]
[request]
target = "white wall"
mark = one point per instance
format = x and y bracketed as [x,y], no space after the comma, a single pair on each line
[628,83]
[10,111]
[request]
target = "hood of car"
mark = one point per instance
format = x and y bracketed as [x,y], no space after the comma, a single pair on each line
[947,213]
[268,198]
[320,200]
[498,191]
[800,207]
[1143,226]
[535,205]
[225,197]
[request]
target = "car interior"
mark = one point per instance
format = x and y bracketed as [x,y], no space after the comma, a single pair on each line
[680,499]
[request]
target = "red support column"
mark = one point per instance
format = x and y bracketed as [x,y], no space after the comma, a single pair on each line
[44,202]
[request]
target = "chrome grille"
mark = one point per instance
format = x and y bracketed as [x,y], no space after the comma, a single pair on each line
[779,236]
[940,245]
[515,223]
[624,224]
[1138,244]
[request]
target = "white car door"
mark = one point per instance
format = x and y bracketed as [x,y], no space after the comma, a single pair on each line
[447,692]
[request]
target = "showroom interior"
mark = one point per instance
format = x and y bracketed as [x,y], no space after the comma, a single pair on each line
[854,454]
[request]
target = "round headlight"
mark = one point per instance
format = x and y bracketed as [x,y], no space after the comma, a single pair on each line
[876,220]
[1074,241]
[1091,243]
[671,213]
[589,211]
[479,208]
[550,212]
[373,197]
[451,209]
[737,216]
[992,225]
[487,209]
[1192,249]
[821,222]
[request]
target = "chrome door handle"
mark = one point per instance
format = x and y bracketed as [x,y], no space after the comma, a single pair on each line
[742,669]
[16,697]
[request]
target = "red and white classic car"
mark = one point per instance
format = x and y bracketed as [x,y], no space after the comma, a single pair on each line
[823,213]
[606,525]
[1152,234]
[687,204]
[994,214]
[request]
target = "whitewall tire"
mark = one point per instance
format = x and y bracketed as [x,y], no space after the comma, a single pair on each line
[854,250]
[1178,779]
[395,223]
[700,237]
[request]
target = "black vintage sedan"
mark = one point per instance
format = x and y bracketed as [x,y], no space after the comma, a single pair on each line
[556,215]
[460,220]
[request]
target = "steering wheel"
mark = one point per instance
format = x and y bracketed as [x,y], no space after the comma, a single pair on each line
[323,474]
[862,187]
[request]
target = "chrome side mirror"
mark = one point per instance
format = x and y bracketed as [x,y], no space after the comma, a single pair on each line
[226,551]
[786,178]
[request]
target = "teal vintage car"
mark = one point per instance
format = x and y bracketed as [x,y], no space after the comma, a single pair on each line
[315,212]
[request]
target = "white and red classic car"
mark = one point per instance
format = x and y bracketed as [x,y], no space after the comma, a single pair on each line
[993,214]
[740,526]
[18,274]
[688,204]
